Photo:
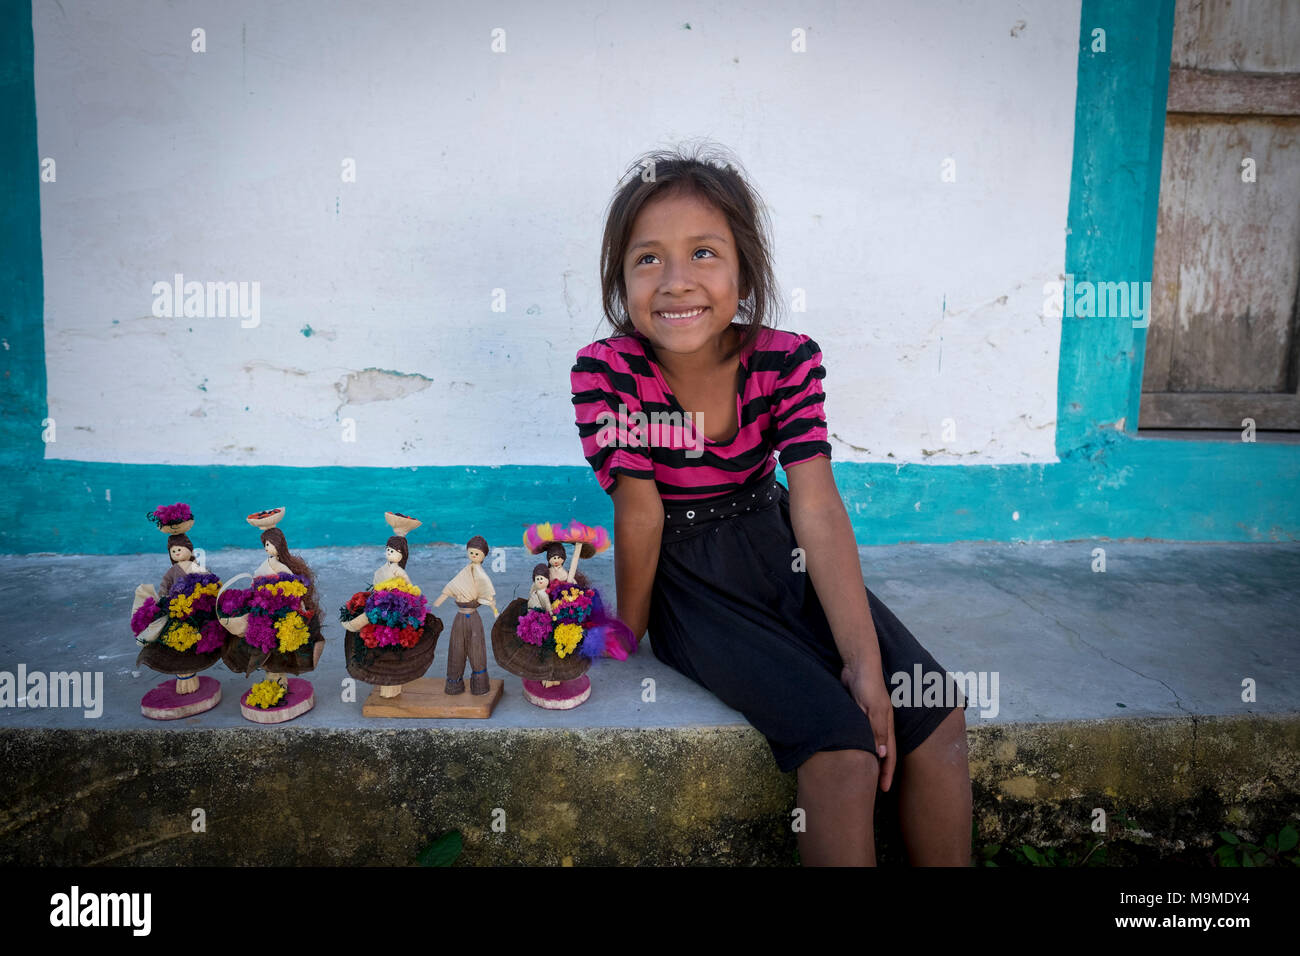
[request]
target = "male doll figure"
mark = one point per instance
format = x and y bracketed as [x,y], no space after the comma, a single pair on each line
[469,588]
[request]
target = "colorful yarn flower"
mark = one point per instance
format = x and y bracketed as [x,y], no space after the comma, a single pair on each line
[260,633]
[266,694]
[145,615]
[397,584]
[181,638]
[292,632]
[202,599]
[534,627]
[171,514]
[567,638]
[214,635]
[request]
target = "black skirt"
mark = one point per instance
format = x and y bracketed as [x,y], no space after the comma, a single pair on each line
[731,611]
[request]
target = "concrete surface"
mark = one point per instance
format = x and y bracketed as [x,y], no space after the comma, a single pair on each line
[1166,630]
[1118,690]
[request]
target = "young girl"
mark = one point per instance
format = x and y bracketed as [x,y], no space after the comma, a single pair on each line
[752,590]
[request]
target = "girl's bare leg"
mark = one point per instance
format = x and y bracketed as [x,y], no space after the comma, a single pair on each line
[837,792]
[934,799]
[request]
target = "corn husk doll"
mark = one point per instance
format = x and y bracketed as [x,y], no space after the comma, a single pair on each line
[551,638]
[275,625]
[176,625]
[391,635]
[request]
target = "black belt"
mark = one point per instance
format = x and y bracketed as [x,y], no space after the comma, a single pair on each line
[755,496]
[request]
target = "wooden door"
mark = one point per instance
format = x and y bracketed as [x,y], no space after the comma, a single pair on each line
[1223,343]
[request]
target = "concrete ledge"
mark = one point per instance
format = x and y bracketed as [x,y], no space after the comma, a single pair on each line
[1119,690]
[590,797]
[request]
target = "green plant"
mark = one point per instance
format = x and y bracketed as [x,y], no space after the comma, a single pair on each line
[442,851]
[1279,849]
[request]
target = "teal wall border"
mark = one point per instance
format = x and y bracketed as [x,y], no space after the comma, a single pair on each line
[1109,484]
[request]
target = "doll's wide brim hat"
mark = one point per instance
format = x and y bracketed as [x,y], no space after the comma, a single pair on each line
[523,659]
[590,540]
[392,665]
[167,660]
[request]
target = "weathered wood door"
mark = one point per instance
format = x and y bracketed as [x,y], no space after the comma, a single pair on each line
[1224,344]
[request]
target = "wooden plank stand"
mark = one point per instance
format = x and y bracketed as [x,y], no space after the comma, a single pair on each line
[427,697]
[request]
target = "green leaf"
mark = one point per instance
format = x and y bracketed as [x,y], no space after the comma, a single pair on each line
[1034,856]
[1287,839]
[1270,841]
[1227,856]
[442,851]
[1246,860]
[1229,837]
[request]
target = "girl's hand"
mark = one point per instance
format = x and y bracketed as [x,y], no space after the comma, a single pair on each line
[867,686]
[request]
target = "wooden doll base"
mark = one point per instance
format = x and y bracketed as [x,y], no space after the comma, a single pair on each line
[427,697]
[297,702]
[563,696]
[163,703]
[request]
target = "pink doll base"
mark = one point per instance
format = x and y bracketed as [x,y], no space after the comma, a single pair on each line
[297,701]
[563,696]
[163,703]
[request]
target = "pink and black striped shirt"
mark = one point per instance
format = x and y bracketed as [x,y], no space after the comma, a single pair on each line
[779,407]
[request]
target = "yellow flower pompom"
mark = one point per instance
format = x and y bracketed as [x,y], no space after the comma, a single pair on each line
[289,588]
[181,638]
[397,584]
[567,637]
[292,632]
[266,693]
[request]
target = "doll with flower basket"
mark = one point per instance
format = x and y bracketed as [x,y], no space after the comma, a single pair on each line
[390,634]
[551,638]
[176,625]
[274,625]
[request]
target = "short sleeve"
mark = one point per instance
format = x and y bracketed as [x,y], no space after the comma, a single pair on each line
[604,394]
[798,415]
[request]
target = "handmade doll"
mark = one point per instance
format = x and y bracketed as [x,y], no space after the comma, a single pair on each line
[538,599]
[176,625]
[555,556]
[274,625]
[551,639]
[390,633]
[469,588]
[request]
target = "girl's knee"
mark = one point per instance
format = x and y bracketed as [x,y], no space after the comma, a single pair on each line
[845,765]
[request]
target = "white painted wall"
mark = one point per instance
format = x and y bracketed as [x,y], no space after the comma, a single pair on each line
[479,171]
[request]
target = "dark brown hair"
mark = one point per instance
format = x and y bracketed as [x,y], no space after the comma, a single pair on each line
[554,548]
[710,172]
[295,564]
[181,539]
[398,543]
[477,542]
[541,570]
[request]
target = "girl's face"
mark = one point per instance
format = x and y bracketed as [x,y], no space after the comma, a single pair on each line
[393,555]
[682,273]
[475,555]
[556,560]
[539,581]
[270,549]
[180,552]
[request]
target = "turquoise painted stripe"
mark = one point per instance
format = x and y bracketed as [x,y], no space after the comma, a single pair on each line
[1108,483]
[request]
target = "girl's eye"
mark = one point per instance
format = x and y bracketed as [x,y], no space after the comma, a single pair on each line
[641,260]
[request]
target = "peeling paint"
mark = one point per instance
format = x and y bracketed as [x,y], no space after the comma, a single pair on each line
[379,385]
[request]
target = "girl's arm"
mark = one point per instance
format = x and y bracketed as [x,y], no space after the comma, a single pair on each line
[638,526]
[822,529]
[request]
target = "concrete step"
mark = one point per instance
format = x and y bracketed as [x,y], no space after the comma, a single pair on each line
[1120,690]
